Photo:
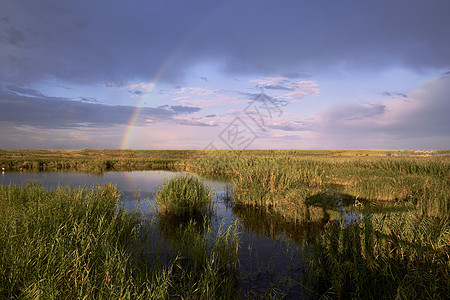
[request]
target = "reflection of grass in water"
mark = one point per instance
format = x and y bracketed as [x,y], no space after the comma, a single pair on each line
[390,252]
[206,264]
[394,255]
[274,268]
[264,222]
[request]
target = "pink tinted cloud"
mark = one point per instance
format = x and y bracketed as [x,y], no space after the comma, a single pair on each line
[422,117]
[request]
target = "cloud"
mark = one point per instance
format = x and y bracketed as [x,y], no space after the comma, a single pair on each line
[136,90]
[270,81]
[277,87]
[268,101]
[287,89]
[51,112]
[421,120]
[394,94]
[88,99]
[19,90]
[25,136]
[204,98]
[192,91]
[180,109]
[353,112]
[116,84]
[136,93]
[78,41]
[288,125]
[191,121]
[13,37]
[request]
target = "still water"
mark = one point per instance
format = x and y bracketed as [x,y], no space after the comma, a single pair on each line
[269,257]
[134,185]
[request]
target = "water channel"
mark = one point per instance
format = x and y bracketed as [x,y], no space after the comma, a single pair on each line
[270,258]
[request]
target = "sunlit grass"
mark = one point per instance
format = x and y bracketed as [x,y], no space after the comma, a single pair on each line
[184,195]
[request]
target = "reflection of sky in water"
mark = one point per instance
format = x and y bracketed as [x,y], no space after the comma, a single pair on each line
[132,185]
[125,181]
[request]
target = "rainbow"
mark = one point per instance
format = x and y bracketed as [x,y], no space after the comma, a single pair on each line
[128,132]
[134,117]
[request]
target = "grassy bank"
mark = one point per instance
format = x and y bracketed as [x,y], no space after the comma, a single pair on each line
[291,182]
[93,161]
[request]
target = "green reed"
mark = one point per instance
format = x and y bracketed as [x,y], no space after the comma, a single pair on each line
[386,256]
[284,180]
[65,243]
[184,195]
[77,243]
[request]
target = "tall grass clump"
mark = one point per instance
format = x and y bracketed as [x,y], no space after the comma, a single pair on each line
[184,195]
[79,244]
[67,243]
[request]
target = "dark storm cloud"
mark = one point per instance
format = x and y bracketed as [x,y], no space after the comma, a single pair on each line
[13,36]
[52,112]
[115,41]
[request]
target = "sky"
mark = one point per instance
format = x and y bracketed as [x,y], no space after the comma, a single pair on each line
[110,74]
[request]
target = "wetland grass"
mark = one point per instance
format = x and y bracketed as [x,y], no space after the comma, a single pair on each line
[399,251]
[398,248]
[67,243]
[79,244]
[184,195]
[388,256]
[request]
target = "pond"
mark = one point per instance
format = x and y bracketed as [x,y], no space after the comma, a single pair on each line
[270,255]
